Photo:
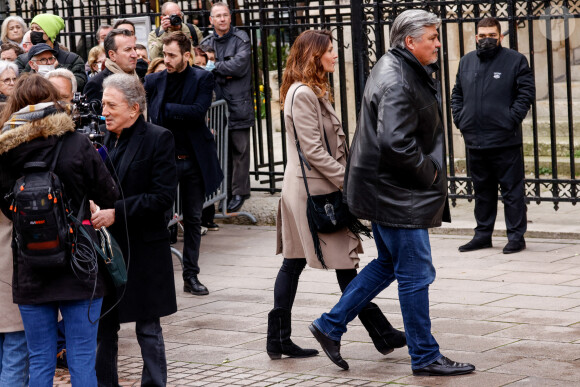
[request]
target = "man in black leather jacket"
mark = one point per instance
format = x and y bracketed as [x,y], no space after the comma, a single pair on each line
[492,95]
[396,178]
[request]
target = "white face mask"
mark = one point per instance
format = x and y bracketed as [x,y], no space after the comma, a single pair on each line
[43,69]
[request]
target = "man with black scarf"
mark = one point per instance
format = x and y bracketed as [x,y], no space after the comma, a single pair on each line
[492,95]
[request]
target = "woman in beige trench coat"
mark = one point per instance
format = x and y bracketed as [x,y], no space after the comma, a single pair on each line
[308,113]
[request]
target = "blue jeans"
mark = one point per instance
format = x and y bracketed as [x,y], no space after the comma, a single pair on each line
[40,324]
[13,359]
[404,255]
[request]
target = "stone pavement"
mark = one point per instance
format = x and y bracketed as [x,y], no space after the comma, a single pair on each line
[516,317]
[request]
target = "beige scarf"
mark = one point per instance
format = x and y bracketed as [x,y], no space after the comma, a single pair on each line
[115,69]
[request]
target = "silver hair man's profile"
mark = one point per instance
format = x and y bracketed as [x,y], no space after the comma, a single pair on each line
[130,86]
[412,22]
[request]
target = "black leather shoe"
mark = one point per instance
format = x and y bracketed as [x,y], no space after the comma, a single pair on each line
[211,226]
[445,367]
[237,202]
[475,244]
[193,286]
[331,348]
[514,247]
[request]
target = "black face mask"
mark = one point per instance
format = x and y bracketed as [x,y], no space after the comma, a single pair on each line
[487,47]
[37,37]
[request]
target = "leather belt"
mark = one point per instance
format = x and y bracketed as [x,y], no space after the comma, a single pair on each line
[182,157]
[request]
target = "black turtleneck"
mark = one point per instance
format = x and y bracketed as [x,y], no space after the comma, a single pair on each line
[173,94]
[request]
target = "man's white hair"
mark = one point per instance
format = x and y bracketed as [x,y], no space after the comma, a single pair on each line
[64,73]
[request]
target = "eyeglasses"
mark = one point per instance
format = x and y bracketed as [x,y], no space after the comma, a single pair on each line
[45,61]
[8,81]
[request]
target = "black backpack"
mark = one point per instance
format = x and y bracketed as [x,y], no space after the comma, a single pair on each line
[42,231]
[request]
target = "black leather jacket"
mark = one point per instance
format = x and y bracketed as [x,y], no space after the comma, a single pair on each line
[396,174]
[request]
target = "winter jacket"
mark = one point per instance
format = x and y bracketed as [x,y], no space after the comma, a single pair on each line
[233,75]
[155,39]
[396,173]
[82,172]
[66,60]
[491,97]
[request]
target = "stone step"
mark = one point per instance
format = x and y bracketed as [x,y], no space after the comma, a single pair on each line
[545,166]
[560,108]
[545,147]
[560,90]
[562,127]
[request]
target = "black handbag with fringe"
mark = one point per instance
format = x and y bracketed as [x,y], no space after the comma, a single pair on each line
[326,213]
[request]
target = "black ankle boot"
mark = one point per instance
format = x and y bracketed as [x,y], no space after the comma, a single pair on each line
[278,342]
[384,336]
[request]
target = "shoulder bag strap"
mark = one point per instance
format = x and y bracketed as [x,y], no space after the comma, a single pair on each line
[300,154]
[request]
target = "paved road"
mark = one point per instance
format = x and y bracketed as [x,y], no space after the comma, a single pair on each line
[516,317]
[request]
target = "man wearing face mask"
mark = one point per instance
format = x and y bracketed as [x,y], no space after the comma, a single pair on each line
[42,59]
[493,92]
[43,30]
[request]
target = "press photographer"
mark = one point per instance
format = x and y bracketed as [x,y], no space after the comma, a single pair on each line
[171,21]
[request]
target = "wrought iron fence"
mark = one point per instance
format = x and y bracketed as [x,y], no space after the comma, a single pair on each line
[547,32]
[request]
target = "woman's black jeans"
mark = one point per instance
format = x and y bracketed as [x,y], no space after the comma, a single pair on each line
[287,281]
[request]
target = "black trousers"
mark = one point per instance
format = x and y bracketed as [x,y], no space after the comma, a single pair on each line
[150,339]
[286,283]
[503,166]
[239,162]
[192,193]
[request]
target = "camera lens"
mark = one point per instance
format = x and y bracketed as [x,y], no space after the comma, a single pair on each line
[175,20]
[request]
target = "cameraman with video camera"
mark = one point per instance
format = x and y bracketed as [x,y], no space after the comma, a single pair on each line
[171,21]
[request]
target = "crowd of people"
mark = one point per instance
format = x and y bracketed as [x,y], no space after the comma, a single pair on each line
[154,101]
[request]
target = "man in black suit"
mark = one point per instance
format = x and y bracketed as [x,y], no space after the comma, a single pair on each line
[140,157]
[178,99]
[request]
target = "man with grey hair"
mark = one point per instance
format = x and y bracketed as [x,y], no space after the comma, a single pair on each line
[397,159]
[141,156]
[233,74]
[65,82]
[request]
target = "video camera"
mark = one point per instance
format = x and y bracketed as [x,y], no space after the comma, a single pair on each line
[86,119]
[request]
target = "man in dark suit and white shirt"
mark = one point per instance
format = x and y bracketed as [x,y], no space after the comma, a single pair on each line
[178,99]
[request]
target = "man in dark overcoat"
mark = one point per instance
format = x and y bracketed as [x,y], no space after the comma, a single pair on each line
[178,99]
[141,158]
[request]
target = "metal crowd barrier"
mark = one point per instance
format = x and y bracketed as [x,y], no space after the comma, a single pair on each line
[217,117]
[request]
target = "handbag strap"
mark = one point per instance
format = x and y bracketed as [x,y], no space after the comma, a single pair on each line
[300,154]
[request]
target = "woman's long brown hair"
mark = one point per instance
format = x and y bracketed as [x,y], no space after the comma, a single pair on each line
[30,89]
[304,64]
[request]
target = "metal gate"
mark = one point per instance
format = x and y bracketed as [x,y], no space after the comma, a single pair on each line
[547,32]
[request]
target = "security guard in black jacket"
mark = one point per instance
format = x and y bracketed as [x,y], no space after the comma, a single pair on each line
[492,95]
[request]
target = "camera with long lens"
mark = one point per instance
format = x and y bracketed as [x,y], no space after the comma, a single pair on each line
[175,20]
[86,119]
